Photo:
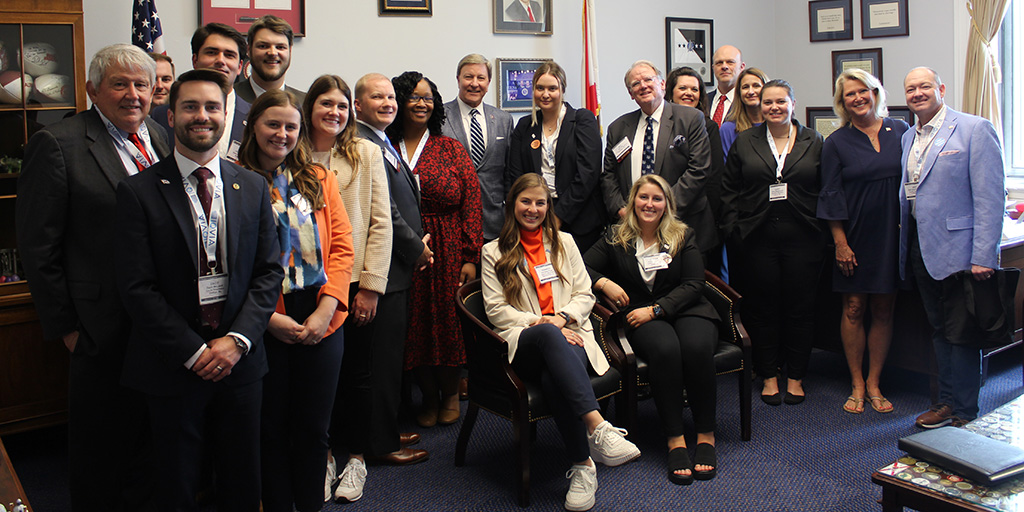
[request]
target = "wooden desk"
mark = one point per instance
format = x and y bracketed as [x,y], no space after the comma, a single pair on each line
[10,487]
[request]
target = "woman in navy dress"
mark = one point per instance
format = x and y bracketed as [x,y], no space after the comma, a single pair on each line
[860,179]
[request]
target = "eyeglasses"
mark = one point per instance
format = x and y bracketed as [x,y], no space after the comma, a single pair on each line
[647,80]
[416,99]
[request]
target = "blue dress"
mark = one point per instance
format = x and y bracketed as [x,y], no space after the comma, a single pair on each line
[860,187]
[728,133]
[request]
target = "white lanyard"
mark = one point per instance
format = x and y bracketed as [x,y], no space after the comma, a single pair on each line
[780,158]
[207,230]
[419,150]
[922,143]
[128,146]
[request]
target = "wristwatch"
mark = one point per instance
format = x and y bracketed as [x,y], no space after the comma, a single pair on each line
[656,309]
[240,344]
[568,319]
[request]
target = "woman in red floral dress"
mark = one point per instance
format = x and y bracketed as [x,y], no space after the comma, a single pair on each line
[450,203]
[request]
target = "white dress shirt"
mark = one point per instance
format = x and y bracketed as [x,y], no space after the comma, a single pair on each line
[637,155]
[467,121]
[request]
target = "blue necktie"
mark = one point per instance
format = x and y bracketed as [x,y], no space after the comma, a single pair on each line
[647,166]
[476,139]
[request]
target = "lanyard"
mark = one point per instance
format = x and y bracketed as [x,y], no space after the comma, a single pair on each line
[419,150]
[780,158]
[128,147]
[922,143]
[207,230]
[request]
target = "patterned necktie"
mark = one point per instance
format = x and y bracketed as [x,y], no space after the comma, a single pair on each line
[209,313]
[476,138]
[142,148]
[648,163]
[719,111]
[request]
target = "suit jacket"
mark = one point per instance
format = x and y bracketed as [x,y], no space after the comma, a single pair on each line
[517,13]
[678,289]
[65,223]
[157,257]
[714,187]
[406,220]
[574,298]
[750,170]
[243,89]
[577,166]
[683,158]
[159,114]
[960,197]
[491,171]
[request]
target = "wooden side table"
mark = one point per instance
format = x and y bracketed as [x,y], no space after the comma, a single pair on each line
[10,487]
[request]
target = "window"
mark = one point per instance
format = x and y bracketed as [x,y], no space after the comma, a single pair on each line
[1011,44]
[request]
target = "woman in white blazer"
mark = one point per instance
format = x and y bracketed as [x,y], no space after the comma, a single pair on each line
[537,295]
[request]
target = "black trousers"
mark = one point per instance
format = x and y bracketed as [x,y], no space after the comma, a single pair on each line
[781,261]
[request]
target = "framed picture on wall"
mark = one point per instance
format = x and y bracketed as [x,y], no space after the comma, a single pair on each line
[903,114]
[515,83]
[522,17]
[884,18]
[869,60]
[404,8]
[690,42]
[240,14]
[822,120]
[831,20]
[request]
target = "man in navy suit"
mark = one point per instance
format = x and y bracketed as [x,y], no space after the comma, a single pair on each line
[198,271]
[491,154]
[951,208]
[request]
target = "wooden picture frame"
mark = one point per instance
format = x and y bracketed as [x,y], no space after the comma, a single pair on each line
[868,59]
[231,13]
[822,120]
[830,20]
[903,114]
[515,83]
[510,17]
[884,18]
[405,8]
[691,42]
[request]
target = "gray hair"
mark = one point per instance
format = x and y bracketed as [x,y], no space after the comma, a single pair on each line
[473,58]
[642,62]
[125,55]
[869,80]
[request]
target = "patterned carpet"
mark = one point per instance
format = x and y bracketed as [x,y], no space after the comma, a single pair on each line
[811,456]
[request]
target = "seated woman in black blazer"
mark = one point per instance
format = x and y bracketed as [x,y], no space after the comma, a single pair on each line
[563,145]
[650,266]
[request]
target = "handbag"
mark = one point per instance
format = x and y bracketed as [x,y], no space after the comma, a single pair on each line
[980,314]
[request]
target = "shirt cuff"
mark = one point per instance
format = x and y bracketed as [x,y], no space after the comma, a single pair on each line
[248,344]
[192,360]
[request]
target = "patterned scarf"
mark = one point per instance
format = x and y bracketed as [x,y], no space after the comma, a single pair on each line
[301,257]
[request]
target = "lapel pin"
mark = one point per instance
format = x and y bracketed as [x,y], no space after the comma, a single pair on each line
[535,144]
[235,186]
[888,129]
[165,182]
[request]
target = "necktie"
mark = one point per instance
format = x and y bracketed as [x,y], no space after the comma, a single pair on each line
[142,148]
[209,313]
[476,139]
[648,163]
[719,111]
[529,11]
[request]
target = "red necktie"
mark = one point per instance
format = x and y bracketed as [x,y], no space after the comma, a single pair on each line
[142,147]
[530,12]
[210,313]
[717,118]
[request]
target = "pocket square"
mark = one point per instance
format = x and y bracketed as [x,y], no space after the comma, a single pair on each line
[949,152]
[677,141]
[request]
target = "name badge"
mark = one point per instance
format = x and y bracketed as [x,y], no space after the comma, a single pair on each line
[653,262]
[546,273]
[778,192]
[622,149]
[392,160]
[233,150]
[911,189]
[213,289]
[300,202]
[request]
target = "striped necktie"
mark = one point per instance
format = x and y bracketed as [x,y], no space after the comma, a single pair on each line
[476,139]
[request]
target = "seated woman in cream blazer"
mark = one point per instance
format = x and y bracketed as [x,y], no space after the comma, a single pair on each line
[537,295]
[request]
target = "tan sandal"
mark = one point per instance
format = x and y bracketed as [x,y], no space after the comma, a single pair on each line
[879,403]
[858,405]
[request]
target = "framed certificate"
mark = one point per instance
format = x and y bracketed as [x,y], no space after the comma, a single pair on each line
[822,120]
[831,20]
[884,18]
[869,60]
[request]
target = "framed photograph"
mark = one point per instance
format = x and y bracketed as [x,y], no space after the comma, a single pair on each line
[831,20]
[404,8]
[884,18]
[822,120]
[242,13]
[903,114]
[522,17]
[515,83]
[869,60]
[690,42]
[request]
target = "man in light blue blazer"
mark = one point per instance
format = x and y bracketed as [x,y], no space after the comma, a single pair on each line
[951,220]
[490,154]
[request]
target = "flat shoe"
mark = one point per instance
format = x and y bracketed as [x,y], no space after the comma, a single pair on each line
[858,405]
[881,404]
[448,416]
[427,418]
[705,456]
[678,458]
[775,399]
[792,399]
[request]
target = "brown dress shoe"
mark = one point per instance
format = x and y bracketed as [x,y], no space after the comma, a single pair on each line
[464,388]
[937,416]
[402,457]
[407,438]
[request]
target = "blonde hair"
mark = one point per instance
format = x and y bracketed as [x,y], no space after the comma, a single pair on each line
[509,265]
[869,81]
[671,231]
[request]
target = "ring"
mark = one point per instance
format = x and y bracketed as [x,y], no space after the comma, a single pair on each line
[219,368]
[362,316]
[617,303]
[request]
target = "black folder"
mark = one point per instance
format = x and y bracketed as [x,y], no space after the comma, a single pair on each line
[974,456]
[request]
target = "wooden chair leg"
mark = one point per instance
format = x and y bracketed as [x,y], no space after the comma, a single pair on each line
[464,432]
[522,448]
[745,390]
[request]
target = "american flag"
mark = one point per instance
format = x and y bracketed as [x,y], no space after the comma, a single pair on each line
[146,30]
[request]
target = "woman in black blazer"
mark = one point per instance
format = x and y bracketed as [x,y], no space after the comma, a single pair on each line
[649,264]
[563,145]
[771,223]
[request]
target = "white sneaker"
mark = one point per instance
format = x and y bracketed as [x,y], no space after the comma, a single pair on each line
[332,473]
[582,486]
[351,481]
[609,446]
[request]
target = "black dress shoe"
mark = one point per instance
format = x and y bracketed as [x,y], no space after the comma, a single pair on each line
[792,399]
[775,399]
[402,457]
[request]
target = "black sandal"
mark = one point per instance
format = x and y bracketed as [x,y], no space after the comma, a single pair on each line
[705,456]
[678,458]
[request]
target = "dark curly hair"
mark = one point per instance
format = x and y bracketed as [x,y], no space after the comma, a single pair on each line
[404,85]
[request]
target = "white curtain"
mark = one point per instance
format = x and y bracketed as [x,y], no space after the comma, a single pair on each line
[982,74]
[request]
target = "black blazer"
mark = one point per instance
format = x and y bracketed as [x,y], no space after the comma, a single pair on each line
[243,89]
[714,187]
[750,170]
[678,289]
[577,166]
[66,229]
[157,257]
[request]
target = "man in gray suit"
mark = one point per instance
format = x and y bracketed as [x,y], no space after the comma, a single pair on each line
[270,52]
[485,132]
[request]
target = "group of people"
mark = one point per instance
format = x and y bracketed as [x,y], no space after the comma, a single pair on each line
[247,254]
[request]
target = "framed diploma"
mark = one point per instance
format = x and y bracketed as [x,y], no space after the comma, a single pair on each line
[690,42]
[831,20]
[822,120]
[884,18]
[869,60]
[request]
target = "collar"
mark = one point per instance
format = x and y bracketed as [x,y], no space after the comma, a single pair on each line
[464,107]
[656,114]
[380,133]
[259,90]
[935,123]
[187,166]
